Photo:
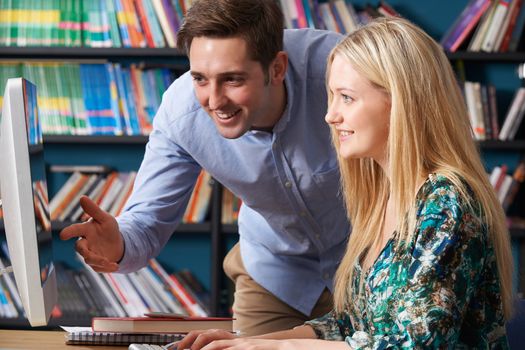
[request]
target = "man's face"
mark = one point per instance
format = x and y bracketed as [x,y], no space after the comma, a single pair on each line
[229,85]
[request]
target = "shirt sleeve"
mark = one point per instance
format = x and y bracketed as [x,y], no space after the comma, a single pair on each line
[443,270]
[160,195]
[326,327]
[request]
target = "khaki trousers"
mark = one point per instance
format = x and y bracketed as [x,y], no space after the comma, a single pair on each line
[258,311]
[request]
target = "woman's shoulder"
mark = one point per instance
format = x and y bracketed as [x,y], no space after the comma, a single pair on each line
[440,189]
[449,205]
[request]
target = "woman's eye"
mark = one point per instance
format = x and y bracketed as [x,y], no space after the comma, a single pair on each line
[346,98]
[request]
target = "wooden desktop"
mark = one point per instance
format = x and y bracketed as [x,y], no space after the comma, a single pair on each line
[43,340]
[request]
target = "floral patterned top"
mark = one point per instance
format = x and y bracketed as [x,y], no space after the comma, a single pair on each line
[440,291]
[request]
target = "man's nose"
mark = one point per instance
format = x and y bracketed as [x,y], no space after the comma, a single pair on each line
[216,99]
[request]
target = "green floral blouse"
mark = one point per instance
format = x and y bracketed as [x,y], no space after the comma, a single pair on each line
[440,291]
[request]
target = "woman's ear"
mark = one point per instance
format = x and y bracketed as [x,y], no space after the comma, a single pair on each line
[277,69]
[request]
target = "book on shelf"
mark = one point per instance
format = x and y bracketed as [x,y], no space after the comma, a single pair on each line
[496,25]
[160,324]
[518,177]
[86,336]
[75,23]
[109,190]
[507,26]
[189,303]
[63,168]
[481,31]
[482,109]
[200,199]
[231,205]
[193,287]
[335,15]
[387,10]
[517,37]
[93,98]
[514,116]
[168,30]
[505,185]
[84,294]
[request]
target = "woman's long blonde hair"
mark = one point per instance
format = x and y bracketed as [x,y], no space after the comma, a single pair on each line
[429,132]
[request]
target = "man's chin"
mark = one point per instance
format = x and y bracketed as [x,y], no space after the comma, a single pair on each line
[231,133]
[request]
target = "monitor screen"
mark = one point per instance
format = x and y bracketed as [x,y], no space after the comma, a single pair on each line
[25,201]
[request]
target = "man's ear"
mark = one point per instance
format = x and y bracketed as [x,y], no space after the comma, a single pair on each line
[277,69]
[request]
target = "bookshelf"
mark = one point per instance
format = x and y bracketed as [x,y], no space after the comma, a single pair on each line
[207,243]
[124,153]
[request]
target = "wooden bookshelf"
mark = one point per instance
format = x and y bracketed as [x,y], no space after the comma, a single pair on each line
[514,145]
[110,53]
[36,149]
[96,139]
[487,56]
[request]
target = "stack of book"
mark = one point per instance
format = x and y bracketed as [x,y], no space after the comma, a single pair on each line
[154,328]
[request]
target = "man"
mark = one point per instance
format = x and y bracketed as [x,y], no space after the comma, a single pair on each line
[252,115]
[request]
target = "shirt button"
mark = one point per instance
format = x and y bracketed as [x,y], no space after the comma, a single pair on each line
[288,184]
[274,146]
[326,276]
[302,213]
[317,236]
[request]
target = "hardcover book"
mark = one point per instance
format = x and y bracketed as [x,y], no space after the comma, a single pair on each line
[160,324]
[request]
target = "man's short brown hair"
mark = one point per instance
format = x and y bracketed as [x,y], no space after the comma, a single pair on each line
[258,22]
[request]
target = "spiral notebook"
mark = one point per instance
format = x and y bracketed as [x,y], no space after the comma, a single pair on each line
[86,336]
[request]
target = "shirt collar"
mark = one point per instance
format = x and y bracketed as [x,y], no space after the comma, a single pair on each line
[285,118]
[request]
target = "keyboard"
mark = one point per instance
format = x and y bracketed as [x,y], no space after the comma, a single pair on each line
[146,347]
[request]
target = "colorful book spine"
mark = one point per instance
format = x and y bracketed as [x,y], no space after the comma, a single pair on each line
[464,24]
[518,34]
[171,16]
[169,34]
[495,27]
[144,22]
[122,23]
[156,30]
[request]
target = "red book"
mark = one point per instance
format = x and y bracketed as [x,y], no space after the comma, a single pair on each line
[144,23]
[159,324]
[504,47]
[501,177]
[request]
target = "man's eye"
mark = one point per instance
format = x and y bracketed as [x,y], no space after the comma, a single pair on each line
[235,80]
[198,80]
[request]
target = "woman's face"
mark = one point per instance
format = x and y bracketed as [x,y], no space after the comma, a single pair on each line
[359,113]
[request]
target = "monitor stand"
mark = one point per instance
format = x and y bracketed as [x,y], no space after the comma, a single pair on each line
[7,269]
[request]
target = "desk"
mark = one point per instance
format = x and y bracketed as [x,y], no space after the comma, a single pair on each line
[45,340]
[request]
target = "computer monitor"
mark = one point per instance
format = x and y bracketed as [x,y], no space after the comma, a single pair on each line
[25,204]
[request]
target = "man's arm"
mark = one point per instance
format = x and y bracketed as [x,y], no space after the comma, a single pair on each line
[160,194]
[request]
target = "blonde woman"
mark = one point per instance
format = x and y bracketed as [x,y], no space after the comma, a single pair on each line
[428,264]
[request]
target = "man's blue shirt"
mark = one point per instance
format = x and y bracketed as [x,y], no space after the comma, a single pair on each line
[292,223]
